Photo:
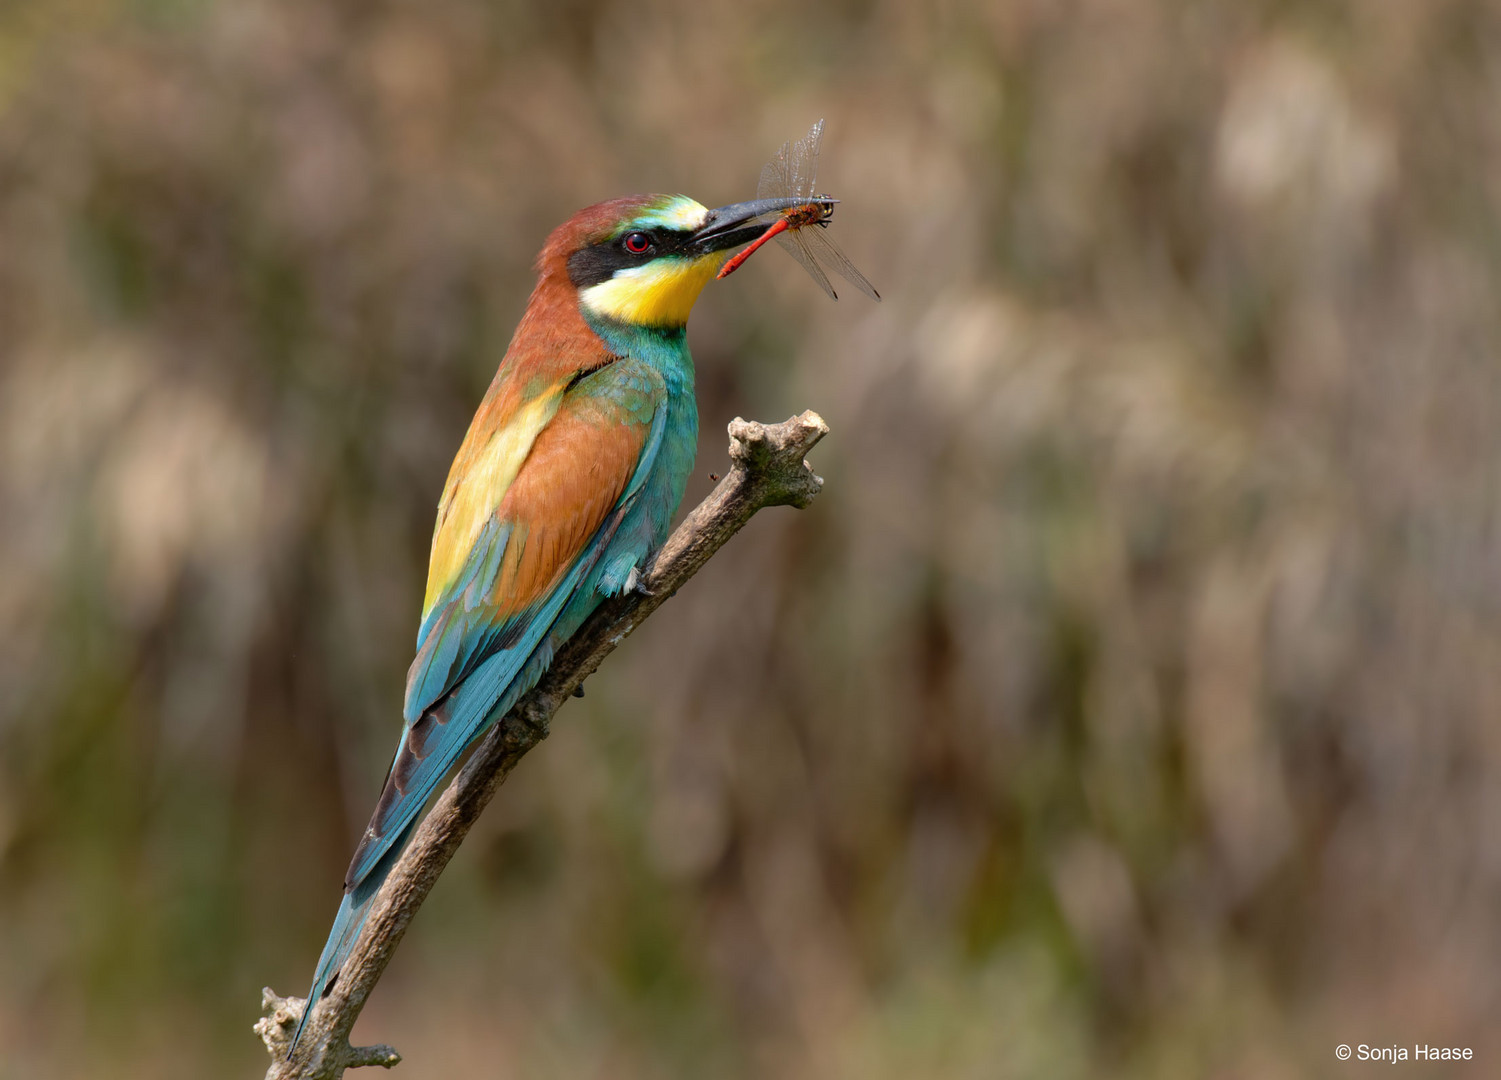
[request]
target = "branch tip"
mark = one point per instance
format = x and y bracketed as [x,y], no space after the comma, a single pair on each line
[366,1056]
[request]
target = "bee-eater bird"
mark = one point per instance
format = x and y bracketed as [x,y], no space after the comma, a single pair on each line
[563,487]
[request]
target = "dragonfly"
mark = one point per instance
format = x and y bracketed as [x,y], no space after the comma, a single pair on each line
[800,230]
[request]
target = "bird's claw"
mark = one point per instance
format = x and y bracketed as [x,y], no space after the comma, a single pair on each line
[634,584]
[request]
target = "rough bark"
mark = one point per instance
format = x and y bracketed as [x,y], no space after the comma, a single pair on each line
[767,469]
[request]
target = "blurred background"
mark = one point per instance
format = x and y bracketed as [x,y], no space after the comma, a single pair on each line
[1126,707]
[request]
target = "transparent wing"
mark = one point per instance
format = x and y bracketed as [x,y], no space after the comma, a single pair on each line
[823,249]
[804,165]
[794,169]
[794,244]
[776,181]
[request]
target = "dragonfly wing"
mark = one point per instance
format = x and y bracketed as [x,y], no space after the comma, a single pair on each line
[793,242]
[776,175]
[805,160]
[793,170]
[773,178]
[827,252]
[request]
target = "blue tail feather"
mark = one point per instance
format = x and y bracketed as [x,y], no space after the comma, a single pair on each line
[354,908]
[478,701]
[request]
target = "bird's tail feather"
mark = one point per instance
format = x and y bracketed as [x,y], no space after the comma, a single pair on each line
[354,908]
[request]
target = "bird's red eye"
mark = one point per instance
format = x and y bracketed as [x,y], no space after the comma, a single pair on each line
[637,243]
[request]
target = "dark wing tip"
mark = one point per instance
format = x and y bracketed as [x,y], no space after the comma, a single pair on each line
[410,754]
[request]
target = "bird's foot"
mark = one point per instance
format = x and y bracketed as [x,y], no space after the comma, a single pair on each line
[634,584]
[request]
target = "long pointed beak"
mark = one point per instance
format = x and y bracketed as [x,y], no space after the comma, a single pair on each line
[740,223]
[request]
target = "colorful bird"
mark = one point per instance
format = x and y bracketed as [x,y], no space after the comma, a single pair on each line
[564,485]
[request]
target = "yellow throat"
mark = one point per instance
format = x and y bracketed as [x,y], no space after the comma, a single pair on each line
[660,293]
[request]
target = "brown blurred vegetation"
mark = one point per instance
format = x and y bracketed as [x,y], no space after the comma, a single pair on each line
[1126,707]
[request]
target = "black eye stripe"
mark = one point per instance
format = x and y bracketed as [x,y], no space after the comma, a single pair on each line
[598,262]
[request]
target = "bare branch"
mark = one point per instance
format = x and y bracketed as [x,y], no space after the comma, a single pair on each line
[768,469]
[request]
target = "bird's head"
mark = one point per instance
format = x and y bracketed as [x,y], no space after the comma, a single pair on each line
[643,260]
